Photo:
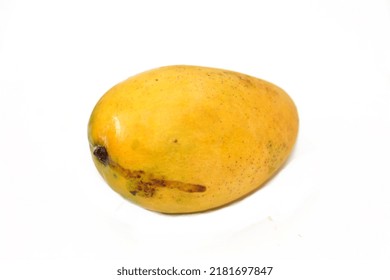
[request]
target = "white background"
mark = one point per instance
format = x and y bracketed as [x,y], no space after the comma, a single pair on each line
[329,205]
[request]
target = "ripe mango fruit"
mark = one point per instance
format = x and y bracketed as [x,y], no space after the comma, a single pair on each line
[182,139]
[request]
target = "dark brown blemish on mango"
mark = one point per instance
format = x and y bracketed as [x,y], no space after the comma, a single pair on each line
[141,183]
[133,192]
[101,154]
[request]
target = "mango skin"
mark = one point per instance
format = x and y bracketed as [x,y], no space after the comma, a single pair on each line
[183,139]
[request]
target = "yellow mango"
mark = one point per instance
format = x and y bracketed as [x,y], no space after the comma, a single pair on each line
[182,139]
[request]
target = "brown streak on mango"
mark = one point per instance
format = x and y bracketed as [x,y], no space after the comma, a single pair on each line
[143,184]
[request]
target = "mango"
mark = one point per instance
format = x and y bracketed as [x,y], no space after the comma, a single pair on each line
[184,139]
